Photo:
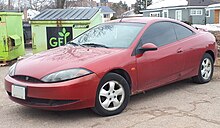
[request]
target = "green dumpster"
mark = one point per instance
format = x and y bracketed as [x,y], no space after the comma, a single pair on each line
[55,27]
[11,36]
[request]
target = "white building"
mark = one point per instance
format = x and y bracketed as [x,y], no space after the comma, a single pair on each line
[32,13]
[106,13]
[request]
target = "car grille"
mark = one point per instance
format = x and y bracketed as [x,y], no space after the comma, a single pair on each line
[43,102]
[27,79]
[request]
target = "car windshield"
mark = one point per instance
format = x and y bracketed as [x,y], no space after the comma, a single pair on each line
[111,35]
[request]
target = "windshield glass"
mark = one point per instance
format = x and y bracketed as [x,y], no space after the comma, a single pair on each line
[112,35]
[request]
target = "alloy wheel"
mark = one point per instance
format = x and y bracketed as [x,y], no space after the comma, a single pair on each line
[206,69]
[111,95]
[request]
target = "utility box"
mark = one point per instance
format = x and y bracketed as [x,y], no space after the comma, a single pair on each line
[11,36]
[55,27]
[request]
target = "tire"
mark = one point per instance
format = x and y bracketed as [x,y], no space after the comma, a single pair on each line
[206,70]
[112,95]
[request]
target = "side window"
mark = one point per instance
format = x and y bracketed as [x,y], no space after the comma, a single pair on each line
[181,31]
[160,34]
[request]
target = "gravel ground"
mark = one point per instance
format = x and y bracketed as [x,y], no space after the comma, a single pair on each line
[179,105]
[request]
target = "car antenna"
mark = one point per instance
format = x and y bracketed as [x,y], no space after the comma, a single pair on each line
[121,18]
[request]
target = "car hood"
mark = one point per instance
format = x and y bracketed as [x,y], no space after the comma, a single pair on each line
[61,58]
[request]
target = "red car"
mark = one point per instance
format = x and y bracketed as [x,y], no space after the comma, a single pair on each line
[104,66]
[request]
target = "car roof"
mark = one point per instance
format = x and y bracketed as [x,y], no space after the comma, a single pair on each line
[142,19]
[146,20]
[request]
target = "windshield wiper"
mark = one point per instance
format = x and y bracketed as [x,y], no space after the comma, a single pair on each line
[95,45]
[75,44]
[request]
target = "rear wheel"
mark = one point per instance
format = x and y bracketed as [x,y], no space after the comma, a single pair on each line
[206,70]
[112,95]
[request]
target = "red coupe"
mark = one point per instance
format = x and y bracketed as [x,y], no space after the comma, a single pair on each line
[104,66]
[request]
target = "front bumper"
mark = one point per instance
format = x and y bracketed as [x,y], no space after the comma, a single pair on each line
[69,95]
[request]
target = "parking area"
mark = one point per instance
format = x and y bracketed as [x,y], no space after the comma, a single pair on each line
[179,105]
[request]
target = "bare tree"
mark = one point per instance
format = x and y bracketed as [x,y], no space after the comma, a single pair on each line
[6,5]
[9,4]
[2,5]
[60,3]
[119,8]
[44,4]
[41,4]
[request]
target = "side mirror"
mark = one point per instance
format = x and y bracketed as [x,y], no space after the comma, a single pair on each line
[148,47]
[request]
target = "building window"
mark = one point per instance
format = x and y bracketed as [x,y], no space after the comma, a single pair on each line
[155,14]
[197,12]
[178,15]
[106,15]
[207,13]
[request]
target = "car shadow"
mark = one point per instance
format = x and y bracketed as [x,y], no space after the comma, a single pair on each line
[75,115]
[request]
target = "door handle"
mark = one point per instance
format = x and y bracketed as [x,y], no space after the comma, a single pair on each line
[179,50]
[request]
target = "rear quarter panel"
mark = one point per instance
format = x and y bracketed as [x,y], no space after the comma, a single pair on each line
[195,49]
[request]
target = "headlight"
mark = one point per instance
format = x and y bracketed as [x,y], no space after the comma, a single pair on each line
[65,75]
[11,71]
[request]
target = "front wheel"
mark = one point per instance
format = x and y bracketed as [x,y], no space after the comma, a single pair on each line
[112,96]
[205,70]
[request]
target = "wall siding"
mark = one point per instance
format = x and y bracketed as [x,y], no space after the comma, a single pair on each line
[147,14]
[198,19]
[185,17]
[211,19]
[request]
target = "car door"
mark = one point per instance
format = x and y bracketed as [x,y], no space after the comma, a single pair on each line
[163,65]
[190,45]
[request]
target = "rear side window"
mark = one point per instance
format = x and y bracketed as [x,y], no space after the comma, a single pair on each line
[181,31]
[160,34]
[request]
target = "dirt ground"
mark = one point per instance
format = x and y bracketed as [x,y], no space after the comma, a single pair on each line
[179,105]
